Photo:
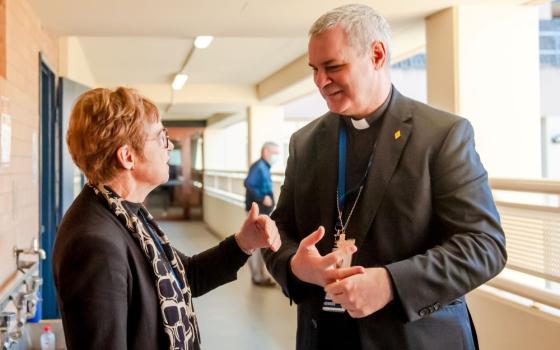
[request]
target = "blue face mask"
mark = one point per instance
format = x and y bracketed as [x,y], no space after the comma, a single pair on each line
[274,158]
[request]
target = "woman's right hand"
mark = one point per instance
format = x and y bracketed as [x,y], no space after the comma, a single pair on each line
[258,231]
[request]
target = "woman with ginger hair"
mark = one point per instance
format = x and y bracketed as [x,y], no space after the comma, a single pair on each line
[120,284]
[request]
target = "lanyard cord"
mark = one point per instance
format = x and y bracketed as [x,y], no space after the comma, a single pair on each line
[341,193]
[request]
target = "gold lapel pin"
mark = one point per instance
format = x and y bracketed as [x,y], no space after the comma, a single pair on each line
[397,134]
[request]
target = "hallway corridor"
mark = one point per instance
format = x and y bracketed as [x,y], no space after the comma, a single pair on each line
[237,315]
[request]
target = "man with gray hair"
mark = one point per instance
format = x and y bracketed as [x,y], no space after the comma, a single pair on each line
[388,185]
[258,185]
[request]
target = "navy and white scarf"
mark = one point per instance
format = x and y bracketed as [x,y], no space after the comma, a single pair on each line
[175,298]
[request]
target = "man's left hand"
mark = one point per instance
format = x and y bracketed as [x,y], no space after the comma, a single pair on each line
[362,294]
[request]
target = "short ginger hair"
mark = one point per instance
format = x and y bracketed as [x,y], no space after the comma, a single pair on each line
[103,120]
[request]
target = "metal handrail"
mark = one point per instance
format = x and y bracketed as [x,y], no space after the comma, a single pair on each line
[538,295]
[526,185]
[218,171]
[215,171]
[5,298]
[496,183]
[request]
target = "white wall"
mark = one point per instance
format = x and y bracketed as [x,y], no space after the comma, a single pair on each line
[411,83]
[506,325]
[222,217]
[73,62]
[264,125]
[225,147]
[550,87]
[499,86]
[483,64]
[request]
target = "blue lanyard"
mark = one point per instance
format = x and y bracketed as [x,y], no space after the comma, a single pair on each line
[342,167]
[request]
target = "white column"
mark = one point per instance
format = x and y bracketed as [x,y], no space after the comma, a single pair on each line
[264,124]
[483,64]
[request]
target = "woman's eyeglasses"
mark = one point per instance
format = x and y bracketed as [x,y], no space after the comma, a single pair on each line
[163,138]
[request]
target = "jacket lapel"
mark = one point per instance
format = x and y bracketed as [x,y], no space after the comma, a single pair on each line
[392,139]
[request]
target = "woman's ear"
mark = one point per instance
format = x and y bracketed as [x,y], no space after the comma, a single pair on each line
[125,157]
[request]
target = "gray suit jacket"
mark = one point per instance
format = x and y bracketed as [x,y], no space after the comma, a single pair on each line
[426,214]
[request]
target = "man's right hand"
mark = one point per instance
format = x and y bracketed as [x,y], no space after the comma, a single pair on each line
[309,266]
[267,201]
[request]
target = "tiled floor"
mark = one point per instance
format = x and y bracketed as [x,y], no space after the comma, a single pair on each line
[237,315]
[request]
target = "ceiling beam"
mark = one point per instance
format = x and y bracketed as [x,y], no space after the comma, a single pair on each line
[295,73]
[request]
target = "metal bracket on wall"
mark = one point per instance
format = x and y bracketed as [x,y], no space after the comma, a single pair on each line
[20,281]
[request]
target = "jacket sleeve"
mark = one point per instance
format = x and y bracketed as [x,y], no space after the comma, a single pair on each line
[473,250]
[279,263]
[213,267]
[91,278]
[253,183]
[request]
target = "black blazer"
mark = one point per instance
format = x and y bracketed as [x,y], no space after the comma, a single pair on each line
[426,214]
[105,286]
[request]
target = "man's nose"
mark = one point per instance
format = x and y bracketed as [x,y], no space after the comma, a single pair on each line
[321,79]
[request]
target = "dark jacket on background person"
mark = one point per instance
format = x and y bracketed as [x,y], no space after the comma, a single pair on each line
[96,259]
[258,184]
[426,214]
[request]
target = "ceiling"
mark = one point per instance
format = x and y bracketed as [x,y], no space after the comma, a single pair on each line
[146,42]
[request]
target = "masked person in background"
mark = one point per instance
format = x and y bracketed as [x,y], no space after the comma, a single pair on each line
[259,190]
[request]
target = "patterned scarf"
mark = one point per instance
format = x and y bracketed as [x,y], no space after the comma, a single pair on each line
[175,300]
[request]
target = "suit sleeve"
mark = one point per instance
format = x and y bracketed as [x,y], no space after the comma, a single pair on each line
[213,267]
[473,249]
[278,263]
[91,280]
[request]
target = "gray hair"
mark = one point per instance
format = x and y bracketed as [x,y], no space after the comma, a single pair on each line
[362,24]
[268,145]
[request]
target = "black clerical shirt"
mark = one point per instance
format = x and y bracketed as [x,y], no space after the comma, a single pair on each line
[339,330]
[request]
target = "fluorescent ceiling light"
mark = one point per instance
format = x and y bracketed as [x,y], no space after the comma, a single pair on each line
[203,41]
[179,81]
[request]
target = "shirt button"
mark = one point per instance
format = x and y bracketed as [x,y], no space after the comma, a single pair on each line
[437,306]
[423,312]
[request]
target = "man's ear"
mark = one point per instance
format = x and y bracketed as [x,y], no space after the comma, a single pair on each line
[378,54]
[126,157]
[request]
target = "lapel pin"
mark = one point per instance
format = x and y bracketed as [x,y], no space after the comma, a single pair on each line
[397,135]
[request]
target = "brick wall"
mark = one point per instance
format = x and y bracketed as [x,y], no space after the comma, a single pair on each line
[19,192]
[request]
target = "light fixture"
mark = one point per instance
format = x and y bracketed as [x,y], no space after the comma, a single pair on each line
[179,81]
[203,41]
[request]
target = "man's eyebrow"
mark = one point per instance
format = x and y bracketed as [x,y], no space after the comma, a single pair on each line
[325,63]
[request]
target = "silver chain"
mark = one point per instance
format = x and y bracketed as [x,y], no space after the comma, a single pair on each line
[351,210]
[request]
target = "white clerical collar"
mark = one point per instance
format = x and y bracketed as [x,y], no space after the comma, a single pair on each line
[360,124]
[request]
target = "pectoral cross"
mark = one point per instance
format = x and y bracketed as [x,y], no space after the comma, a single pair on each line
[341,242]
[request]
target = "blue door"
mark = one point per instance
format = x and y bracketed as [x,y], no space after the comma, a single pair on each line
[48,193]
